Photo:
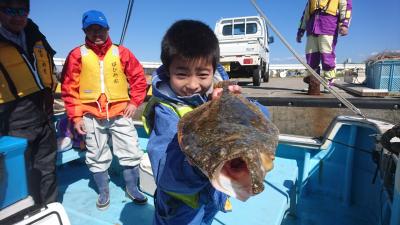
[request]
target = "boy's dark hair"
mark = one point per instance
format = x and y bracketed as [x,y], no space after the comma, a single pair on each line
[8,2]
[189,39]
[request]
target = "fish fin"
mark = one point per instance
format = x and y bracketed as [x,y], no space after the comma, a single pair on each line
[225,84]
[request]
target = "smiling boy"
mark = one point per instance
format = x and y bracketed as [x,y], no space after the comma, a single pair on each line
[190,55]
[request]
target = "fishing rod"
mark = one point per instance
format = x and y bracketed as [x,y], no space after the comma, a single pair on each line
[312,71]
[126,22]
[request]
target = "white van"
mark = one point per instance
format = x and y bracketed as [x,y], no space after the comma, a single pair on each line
[243,43]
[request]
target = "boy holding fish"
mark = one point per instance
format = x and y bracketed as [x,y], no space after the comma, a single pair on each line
[190,55]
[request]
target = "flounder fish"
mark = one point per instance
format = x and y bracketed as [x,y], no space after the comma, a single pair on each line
[231,141]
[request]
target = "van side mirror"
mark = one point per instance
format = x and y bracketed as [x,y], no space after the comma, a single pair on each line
[270,39]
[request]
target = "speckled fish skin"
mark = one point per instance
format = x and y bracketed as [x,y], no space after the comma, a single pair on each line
[227,128]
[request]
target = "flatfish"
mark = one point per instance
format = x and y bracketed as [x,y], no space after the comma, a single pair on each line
[231,141]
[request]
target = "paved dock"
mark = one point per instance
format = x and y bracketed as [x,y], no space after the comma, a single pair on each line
[291,91]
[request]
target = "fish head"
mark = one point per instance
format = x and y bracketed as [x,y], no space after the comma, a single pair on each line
[241,172]
[232,143]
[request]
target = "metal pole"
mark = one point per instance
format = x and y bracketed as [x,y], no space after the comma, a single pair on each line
[126,22]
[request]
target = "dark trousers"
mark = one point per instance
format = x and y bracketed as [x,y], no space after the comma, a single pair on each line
[40,157]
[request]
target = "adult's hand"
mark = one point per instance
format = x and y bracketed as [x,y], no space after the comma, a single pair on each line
[217,92]
[343,30]
[129,110]
[300,34]
[298,38]
[80,127]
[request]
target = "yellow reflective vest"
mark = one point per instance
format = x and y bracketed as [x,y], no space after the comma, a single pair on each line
[148,112]
[19,77]
[329,6]
[102,76]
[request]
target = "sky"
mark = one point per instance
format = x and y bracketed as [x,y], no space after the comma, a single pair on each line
[375,26]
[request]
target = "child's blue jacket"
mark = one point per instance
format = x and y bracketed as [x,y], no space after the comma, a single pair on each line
[172,172]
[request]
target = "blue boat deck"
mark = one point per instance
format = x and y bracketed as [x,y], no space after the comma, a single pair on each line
[78,195]
[308,185]
[315,209]
[314,181]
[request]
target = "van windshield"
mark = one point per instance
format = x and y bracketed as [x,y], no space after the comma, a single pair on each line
[238,29]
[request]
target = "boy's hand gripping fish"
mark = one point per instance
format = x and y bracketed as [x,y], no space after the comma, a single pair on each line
[231,142]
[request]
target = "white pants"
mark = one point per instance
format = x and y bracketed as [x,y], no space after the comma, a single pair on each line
[124,138]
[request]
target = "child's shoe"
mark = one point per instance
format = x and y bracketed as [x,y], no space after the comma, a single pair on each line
[101,180]
[131,177]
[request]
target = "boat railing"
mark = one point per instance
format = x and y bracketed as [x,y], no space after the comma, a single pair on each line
[392,185]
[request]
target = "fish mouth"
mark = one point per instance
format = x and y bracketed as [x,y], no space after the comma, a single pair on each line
[233,178]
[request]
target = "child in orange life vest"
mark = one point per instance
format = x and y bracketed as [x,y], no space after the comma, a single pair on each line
[95,81]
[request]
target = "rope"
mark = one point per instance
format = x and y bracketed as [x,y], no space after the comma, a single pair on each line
[126,22]
[301,60]
[368,151]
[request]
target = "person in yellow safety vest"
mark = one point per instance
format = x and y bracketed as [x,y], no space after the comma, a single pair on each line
[190,55]
[102,86]
[26,95]
[323,20]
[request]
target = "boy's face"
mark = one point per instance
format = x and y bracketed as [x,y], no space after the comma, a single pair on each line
[188,77]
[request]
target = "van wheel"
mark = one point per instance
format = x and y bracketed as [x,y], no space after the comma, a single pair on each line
[257,75]
[266,73]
